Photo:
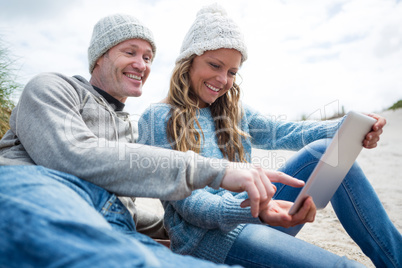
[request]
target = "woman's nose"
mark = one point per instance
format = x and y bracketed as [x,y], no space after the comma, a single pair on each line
[222,78]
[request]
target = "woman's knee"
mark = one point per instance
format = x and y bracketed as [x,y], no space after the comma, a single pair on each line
[317,148]
[308,156]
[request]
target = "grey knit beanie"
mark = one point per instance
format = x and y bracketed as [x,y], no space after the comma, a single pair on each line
[212,30]
[112,30]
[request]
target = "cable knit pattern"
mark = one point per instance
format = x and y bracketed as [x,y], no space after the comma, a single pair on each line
[207,223]
[212,30]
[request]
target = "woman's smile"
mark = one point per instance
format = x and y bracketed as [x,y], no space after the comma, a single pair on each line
[211,87]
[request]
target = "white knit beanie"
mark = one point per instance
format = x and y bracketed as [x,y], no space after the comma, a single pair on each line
[212,30]
[112,30]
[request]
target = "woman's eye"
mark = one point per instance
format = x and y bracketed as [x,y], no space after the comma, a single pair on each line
[232,73]
[214,65]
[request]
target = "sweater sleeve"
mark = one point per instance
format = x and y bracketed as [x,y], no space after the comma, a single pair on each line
[271,133]
[210,209]
[48,123]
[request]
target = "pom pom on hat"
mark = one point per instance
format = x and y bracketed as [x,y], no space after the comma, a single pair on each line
[212,30]
[112,30]
[214,8]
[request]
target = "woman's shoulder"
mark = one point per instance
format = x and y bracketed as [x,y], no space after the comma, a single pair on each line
[152,125]
[157,110]
[155,117]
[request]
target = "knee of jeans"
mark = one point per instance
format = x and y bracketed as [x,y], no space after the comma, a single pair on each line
[317,148]
[345,262]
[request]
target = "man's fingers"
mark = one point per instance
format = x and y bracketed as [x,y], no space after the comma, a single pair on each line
[266,190]
[245,203]
[266,185]
[277,176]
[253,200]
[254,181]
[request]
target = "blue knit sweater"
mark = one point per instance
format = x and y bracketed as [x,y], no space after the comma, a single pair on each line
[207,223]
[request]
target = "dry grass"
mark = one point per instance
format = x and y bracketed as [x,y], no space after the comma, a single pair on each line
[4,120]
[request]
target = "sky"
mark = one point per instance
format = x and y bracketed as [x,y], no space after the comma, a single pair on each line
[307,58]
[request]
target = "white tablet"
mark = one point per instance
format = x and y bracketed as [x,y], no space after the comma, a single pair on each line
[336,162]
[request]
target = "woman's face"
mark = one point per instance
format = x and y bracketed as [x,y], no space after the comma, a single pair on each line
[213,73]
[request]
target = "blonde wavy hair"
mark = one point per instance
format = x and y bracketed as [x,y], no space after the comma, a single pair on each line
[226,112]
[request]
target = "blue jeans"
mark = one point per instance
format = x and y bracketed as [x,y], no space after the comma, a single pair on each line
[53,219]
[357,206]
[259,246]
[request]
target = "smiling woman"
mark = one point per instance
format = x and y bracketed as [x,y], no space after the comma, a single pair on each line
[203,113]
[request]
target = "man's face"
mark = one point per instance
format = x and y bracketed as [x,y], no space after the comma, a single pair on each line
[123,70]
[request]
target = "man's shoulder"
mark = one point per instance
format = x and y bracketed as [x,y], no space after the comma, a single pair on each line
[51,79]
[58,76]
[55,84]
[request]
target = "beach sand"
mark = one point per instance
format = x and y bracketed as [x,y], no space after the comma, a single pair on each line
[382,166]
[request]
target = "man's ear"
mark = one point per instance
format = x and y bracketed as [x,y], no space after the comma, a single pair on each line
[99,61]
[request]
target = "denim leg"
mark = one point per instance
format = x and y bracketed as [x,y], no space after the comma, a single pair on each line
[46,223]
[260,246]
[169,259]
[120,219]
[53,219]
[364,218]
[356,205]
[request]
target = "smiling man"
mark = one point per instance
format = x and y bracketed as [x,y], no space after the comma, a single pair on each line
[67,177]
[123,70]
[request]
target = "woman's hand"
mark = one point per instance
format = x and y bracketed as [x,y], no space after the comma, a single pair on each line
[277,213]
[373,136]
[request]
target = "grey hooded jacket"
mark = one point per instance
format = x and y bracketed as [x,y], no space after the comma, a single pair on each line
[62,123]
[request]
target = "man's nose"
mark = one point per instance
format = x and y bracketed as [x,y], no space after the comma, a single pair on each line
[139,64]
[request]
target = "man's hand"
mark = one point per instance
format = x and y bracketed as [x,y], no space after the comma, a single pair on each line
[373,136]
[256,182]
[277,213]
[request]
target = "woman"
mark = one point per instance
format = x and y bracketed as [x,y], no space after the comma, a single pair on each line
[203,113]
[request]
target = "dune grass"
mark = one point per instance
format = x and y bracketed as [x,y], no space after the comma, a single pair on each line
[396,105]
[8,86]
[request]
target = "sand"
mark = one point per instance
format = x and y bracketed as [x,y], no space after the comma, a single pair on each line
[382,166]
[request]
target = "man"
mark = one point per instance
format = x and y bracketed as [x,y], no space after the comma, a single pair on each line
[70,151]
